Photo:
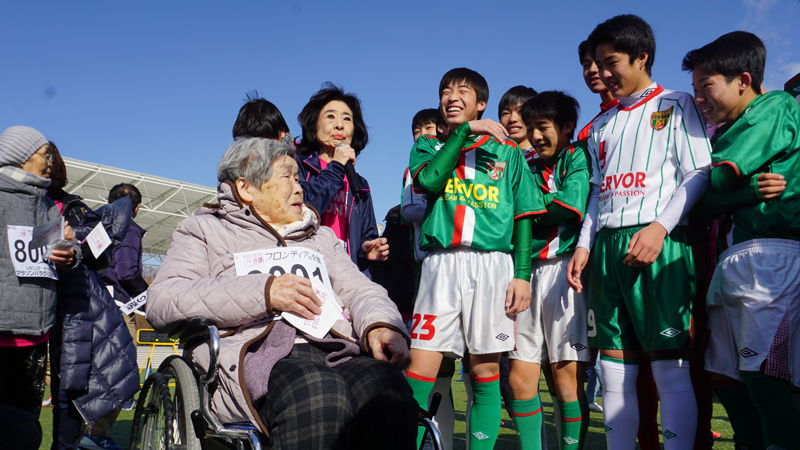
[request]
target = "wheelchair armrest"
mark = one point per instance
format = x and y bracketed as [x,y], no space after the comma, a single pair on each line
[192,332]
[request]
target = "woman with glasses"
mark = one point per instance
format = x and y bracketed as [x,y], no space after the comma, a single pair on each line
[27,285]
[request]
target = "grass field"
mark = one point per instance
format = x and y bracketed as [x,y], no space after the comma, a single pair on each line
[507,439]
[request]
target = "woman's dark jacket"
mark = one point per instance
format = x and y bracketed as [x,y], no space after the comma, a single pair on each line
[97,358]
[319,189]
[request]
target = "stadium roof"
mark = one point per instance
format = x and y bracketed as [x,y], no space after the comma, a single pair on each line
[165,202]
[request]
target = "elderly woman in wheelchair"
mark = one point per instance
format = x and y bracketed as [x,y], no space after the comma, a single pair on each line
[257,262]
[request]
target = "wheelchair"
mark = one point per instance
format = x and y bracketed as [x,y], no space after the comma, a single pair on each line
[173,413]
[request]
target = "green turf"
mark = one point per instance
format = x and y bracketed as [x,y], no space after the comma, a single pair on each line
[507,439]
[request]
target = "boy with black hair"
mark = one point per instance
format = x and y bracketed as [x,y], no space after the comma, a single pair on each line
[753,303]
[471,286]
[555,327]
[591,76]
[649,156]
[259,117]
[431,123]
[508,113]
[645,386]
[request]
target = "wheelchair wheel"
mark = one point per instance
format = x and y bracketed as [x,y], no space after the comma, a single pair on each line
[185,399]
[154,413]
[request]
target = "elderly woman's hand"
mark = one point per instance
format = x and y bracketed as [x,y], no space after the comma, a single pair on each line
[69,233]
[63,257]
[376,249]
[383,339]
[292,293]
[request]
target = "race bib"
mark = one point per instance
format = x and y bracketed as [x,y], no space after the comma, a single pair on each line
[304,263]
[28,260]
[134,304]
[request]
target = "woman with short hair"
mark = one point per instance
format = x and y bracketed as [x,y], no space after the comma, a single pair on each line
[337,391]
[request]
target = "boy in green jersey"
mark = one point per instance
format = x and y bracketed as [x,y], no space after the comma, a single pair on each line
[649,163]
[754,299]
[554,328]
[480,200]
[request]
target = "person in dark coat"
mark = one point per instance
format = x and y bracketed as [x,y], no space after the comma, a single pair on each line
[93,358]
[334,133]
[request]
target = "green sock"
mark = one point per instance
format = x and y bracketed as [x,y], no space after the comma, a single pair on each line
[421,387]
[571,423]
[742,415]
[772,398]
[527,415]
[584,403]
[484,418]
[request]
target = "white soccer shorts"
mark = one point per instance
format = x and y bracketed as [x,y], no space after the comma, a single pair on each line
[754,310]
[461,303]
[555,327]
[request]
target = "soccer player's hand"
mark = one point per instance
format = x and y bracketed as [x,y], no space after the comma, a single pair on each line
[575,267]
[290,292]
[488,126]
[518,296]
[376,249]
[645,245]
[383,340]
[770,185]
[344,153]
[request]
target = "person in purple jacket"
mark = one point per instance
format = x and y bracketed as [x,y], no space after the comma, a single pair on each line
[334,133]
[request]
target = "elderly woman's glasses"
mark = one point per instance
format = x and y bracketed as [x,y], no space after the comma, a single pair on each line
[46,155]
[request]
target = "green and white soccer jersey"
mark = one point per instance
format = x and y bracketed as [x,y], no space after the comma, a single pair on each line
[641,153]
[765,139]
[489,188]
[568,182]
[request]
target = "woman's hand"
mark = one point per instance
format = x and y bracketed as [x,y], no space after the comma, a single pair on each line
[344,153]
[69,233]
[63,257]
[376,249]
[289,292]
[382,340]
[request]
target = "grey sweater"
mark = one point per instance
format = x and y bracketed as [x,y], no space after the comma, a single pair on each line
[27,305]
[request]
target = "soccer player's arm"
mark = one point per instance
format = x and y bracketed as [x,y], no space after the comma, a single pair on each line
[569,203]
[694,156]
[589,228]
[713,203]
[528,203]
[431,169]
[751,150]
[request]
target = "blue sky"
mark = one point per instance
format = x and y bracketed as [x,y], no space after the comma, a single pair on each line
[155,87]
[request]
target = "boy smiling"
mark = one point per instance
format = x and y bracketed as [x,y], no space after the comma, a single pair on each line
[648,159]
[480,200]
[554,329]
[753,300]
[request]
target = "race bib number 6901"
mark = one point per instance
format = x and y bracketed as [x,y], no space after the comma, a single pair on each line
[302,262]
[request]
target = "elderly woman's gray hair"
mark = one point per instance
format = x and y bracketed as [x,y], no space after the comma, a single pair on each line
[251,159]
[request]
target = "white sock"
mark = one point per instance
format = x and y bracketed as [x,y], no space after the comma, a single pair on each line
[620,404]
[678,403]
[445,417]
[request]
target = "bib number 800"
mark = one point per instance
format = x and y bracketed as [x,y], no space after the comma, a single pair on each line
[32,254]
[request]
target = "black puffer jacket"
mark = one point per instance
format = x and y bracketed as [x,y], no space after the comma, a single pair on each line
[92,348]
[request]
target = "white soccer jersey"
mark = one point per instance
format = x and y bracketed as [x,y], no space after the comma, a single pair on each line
[641,153]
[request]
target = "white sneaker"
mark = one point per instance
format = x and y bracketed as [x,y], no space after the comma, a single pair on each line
[595,407]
